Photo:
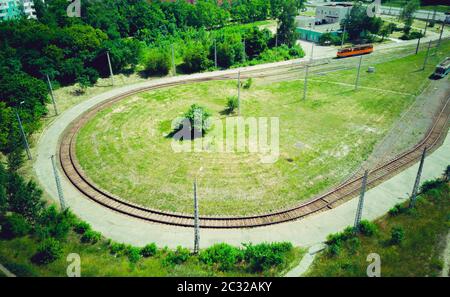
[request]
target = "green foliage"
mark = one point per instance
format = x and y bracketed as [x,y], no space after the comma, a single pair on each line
[48,251]
[91,237]
[117,249]
[195,58]
[338,238]
[248,83]
[367,228]
[179,256]
[149,250]
[232,103]
[15,225]
[430,184]
[359,25]
[134,254]
[286,31]
[198,117]
[81,227]
[53,223]
[157,62]
[264,256]
[397,209]
[397,235]
[329,39]
[222,255]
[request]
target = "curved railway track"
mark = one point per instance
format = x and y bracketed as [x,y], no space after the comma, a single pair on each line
[323,202]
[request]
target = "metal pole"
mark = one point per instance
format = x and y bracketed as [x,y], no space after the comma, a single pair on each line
[312,52]
[239,92]
[110,68]
[244,53]
[215,53]
[440,35]
[173,60]
[51,94]
[196,221]
[306,82]
[276,36]
[417,182]
[418,44]
[58,184]
[361,202]
[343,35]
[25,141]
[426,57]
[359,71]
[426,24]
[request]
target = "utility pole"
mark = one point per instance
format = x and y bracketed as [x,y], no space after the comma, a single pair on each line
[51,95]
[418,44]
[58,184]
[426,57]
[359,71]
[440,35]
[306,82]
[343,35]
[361,202]
[173,61]
[215,53]
[110,68]
[239,93]
[24,137]
[312,52]
[426,24]
[196,221]
[417,182]
[276,36]
[244,54]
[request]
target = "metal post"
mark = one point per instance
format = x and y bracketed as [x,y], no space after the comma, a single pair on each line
[276,36]
[58,184]
[426,57]
[244,58]
[110,68]
[173,60]
[343,35]
[418,44]
[312,52]
[440,35]
[306,82]
[25,141]
[51,95]
[215,53]
[417,182]
[359,71]
[361,202]
[196,221]
[426,24]
[239,92]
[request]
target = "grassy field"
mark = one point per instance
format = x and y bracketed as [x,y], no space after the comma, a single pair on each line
[419,254]
[97,260]
[322,140]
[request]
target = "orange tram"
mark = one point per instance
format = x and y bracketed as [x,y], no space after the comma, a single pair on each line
[355,50]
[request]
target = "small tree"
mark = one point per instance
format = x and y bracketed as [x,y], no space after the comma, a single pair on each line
[156,62]
[407,15]
[198,118]
[397,235]
[48,251]
[232,103]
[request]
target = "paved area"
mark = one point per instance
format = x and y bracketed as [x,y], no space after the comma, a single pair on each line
[306,232]
[306,261]
[6,272]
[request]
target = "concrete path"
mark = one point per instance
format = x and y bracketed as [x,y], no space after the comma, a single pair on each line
[306,232]
[306,261]
[6,272]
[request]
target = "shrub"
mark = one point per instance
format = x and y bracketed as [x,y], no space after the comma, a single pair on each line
[334,249]
[48,251]
[179,256]
[341,236]
[53,223]
[248,83]
[232,103]
[198,118]
[134,254]
[397,235]
[15,225]
[264,256]
[157,62]
[196,58]
[397,209]
[149,250]
[430,184]
[91,236]
[354,244]
[329,39]
[223,255]
[117,249]
[81,227]
[367,228]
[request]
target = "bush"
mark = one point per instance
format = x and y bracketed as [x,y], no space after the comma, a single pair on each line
[334,249]
[354,244]
[157,62]
[397,235]
[15,225]
[264,256]
[367,228]
[81,227]
[91,236]
[196,59]
[179,256]
[397,209]
[53,223]
[198,118]
[248,83]
[341,236]
[329,39]
[149,250]
[232,103]
[222,255]
[48,251]
[117,249]
[134,254]
[430,184]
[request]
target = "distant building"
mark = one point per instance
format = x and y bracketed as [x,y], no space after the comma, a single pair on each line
[11,9]
[305,21]
[332,13]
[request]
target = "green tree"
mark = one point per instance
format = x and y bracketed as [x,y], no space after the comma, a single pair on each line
[195,58]
[286,32]
[407,14]
[358,24]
